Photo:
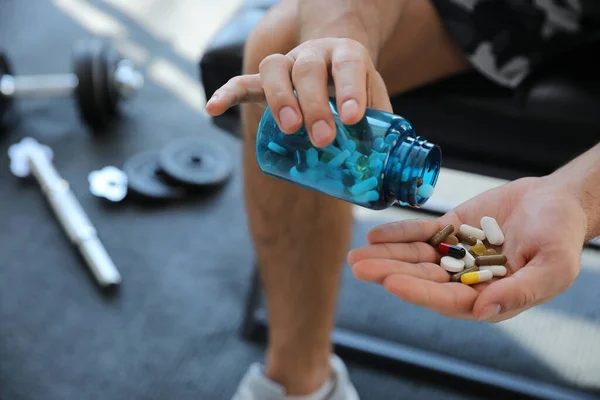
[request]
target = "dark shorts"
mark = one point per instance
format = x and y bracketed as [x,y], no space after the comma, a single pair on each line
[506,40]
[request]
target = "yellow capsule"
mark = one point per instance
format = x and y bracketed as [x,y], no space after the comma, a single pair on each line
[472,278]
[479,248]
[490,252]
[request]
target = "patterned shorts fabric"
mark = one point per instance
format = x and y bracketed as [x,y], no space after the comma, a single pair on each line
[506,40]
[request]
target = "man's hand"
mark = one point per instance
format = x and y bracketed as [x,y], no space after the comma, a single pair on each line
[545,228]
[306,69]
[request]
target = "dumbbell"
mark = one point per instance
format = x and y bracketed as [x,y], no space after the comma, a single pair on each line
[100,80]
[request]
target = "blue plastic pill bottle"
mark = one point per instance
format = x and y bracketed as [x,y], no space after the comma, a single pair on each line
[376,163]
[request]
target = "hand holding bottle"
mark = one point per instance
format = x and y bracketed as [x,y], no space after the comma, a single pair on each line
[305,69]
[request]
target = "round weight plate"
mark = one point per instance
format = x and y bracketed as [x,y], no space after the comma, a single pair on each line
[88,65]
[111,60]
[196,162]
[5,102]
[146,179]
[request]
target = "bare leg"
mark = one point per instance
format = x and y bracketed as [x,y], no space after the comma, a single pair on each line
[302,237]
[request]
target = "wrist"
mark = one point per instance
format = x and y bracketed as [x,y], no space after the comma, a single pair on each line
[581,178]
[347,26]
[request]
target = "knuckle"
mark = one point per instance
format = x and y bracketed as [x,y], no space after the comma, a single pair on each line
[271,60]
[347,57]
[526,297]
[279,96]
[308,64]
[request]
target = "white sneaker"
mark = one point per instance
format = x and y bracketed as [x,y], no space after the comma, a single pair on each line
[256,386]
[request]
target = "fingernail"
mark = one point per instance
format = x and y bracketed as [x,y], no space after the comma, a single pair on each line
[288,117]
[349,108]
[321,132]
[490,311]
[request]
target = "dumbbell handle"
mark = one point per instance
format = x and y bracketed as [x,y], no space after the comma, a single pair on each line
[73,218]
[58,85]
[126,78]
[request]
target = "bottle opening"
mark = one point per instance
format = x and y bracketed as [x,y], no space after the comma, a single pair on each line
[412,170]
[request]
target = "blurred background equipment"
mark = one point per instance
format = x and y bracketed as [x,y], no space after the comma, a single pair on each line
[30,157]
[183,167]
[100,80]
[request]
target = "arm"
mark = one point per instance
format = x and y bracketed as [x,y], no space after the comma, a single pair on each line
[340,41]
[369,22]
[582,177]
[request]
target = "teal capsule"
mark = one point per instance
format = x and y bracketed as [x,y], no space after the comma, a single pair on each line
[294,173]
[274,147]
[391,139]
[364,186]
[331,185]
[378,144]
[371,195]
[301,164]
[312,158]
[349,145]
[338,160]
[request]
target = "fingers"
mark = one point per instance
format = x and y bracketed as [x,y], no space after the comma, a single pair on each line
[410,230]
[413,252]
[452,299]
[241,89]
[275,74]
[377,270]
[379,98]
[540,280]
[309,77]
[349,71]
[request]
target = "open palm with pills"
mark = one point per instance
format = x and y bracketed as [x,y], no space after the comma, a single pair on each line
[544,228]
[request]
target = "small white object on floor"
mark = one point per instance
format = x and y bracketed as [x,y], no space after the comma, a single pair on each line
[19,155]
[109,183]
[492,231]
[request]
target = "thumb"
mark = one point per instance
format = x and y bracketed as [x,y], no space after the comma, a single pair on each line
[537,282]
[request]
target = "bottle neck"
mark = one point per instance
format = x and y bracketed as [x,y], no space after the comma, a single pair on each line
[411,163]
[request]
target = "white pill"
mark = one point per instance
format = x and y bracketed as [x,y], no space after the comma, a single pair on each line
[452,264]
[472,231]
[492,231]
[468,259]
[497,270]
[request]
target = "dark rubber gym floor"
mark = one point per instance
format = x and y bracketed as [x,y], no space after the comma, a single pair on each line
[172,330]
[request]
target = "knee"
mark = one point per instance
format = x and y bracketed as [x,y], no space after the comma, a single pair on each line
[275,33]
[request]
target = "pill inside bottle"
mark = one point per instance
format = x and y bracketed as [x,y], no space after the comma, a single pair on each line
[376,163]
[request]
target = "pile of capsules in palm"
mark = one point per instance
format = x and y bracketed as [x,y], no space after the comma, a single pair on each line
[464,254]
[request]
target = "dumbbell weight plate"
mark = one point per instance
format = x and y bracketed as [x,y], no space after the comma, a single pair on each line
[111,60]
[145,178]
[196,162]
[5,102]
[91,93]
